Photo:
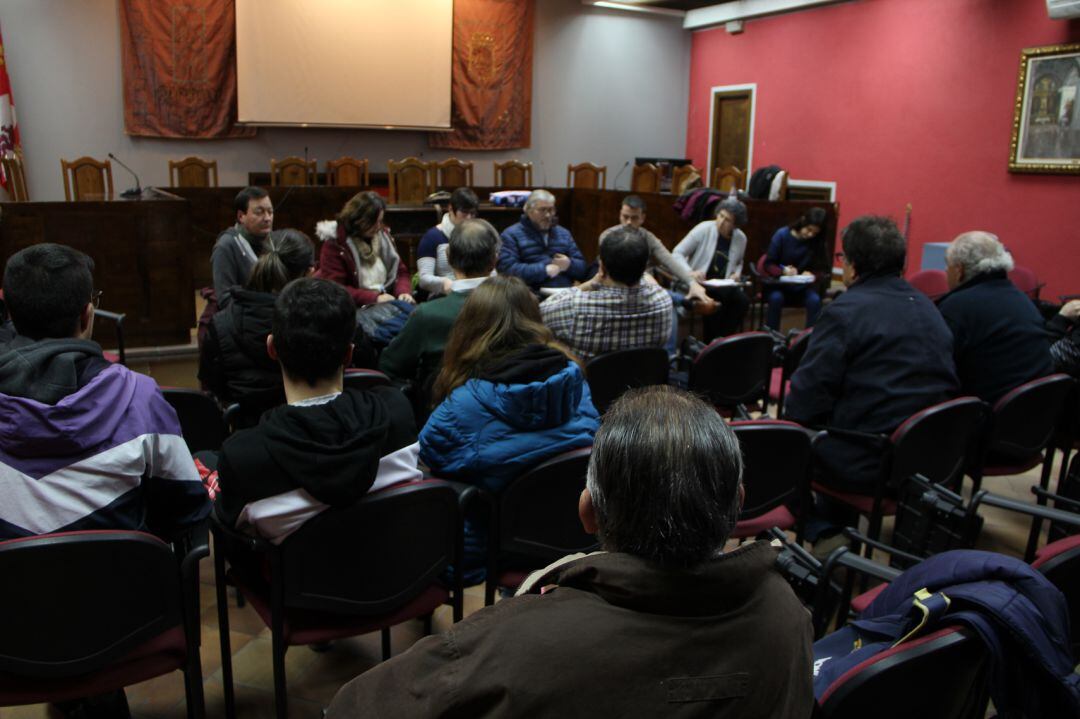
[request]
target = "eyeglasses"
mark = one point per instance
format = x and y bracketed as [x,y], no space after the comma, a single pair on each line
[96,299]
[544,210]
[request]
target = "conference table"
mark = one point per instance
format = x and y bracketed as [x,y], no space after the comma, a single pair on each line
[152,253]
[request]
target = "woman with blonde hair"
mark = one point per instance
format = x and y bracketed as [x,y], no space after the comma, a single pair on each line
[359,254]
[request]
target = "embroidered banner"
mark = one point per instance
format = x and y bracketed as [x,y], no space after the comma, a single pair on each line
[492,76]
[9,127]
[179,64]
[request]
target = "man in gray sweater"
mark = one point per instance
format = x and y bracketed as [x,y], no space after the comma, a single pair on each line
[237,248]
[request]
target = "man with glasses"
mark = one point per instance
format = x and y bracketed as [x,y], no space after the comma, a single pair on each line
[237,248]
[87,444]
[538,250]
[432,264]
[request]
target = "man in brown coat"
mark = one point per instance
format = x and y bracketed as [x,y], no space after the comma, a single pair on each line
[663,623]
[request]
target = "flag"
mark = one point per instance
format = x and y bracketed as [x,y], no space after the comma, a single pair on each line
[9,129]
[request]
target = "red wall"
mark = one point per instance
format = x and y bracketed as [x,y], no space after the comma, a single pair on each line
[902,101]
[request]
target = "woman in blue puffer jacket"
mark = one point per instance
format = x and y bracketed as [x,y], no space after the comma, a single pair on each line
[509,397]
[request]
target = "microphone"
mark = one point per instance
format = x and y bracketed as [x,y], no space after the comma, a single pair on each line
[137,190]
[615,184]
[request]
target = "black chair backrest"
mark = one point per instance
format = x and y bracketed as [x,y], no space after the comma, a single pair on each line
[1060,563]
[1024,420]
[776,459]
[612,373]
[374,556]
[942,675]
[937,442]
[200,418]
[365,379]
[734,370]
[538,511]
[75,602]
[795,351]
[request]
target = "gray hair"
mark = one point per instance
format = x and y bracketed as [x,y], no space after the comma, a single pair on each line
[735,207]
[473,248]
[538,196]
[664,477]
[978,253]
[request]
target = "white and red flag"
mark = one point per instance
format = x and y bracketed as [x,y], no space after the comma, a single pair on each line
[9,128]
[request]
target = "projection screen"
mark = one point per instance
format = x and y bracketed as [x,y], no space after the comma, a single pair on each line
[344,63]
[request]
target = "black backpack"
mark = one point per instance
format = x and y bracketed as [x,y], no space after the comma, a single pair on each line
[761,181]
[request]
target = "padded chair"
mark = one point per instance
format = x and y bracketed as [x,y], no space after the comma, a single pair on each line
[931,283]
[612,373]
[347,571]
[645,178]
[944,675]
[15,173]
[200,418]
[513,174]
[193,172]
[535,517]
[587,176]
[451,174]
[347,172]
[92,612]
[733,372]
[1026,281]
[728,178]
[682,176]
[356,378]
[937,442]
[776,473]
[410,181]
[780,383]
[87,179]
[293,171]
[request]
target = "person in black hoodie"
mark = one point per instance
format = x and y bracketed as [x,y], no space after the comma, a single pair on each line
[328,446]
[233,363]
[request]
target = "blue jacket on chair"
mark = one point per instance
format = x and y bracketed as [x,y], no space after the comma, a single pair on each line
[526,254]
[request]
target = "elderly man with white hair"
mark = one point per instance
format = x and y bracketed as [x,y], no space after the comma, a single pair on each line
[538,250]
[998,338]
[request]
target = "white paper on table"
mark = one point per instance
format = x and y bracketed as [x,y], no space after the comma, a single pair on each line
[798,279]
[720,283]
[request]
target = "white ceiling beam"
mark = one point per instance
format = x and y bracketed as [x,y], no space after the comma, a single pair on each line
[745,10]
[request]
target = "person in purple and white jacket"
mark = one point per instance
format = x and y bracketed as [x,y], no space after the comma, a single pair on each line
[84,444]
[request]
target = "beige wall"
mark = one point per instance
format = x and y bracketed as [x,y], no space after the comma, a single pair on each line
[607,86]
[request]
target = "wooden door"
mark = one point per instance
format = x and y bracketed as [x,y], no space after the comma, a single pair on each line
[732,117]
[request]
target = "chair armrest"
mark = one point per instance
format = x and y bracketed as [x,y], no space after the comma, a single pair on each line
[1072,504]
[876,440]
[1033,510]
[191,547]
[858,538]
[248,541]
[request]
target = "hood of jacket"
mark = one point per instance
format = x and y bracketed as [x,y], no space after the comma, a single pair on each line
[252,316]
[62,398]
[535,388]
[331,450]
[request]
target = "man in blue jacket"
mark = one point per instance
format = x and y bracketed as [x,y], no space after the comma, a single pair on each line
[538,250]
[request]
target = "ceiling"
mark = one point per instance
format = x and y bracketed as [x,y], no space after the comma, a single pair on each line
[676,4]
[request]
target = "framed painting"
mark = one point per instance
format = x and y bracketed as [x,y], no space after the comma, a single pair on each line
[1046,123]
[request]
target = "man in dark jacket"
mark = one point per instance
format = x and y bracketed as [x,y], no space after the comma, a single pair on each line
[326,447]
[879,353]
[540,251]
[998,338]
[84,443]
[664,623]
[237,248]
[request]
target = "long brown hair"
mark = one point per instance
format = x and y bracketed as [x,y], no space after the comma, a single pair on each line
[359,218]
[285,256]
[501,316]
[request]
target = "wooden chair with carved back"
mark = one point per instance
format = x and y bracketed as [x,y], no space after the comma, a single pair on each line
[410,180]
[513,174]
[728,178]
[645,178]
[451,174]
[683,177]
[193,172]
[87,179]
[586,175]
[348,172]
[293,171]
[16,177]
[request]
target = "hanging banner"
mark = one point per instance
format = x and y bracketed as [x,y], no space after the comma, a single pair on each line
[492,76]
[9,127]
[179,66]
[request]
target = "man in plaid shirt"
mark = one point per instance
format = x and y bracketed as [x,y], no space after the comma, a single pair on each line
[615,310]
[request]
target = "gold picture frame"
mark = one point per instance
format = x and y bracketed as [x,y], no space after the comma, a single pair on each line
[1046,119]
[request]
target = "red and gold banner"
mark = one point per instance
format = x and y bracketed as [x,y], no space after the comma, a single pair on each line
[492,76]
[179,64]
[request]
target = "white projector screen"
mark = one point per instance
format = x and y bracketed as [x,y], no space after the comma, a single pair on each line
[344,63]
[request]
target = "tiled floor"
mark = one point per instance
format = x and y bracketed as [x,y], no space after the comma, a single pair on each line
[313,678]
